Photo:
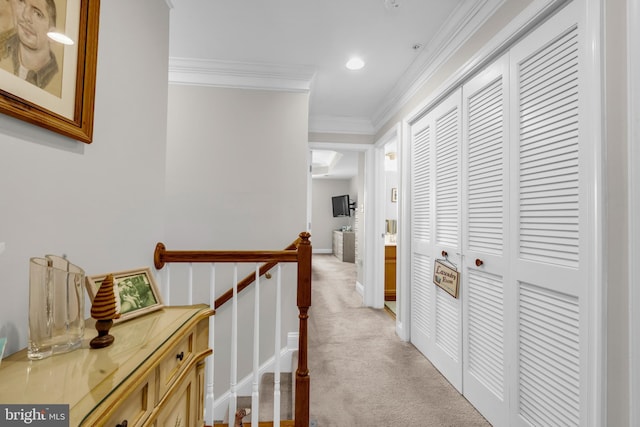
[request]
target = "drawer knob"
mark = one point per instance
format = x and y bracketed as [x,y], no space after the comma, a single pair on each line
[124,424]
[479,262]
[180,356]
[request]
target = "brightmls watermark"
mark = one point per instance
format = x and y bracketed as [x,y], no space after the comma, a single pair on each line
[34,415]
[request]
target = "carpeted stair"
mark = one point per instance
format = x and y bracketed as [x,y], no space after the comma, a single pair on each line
[267,383]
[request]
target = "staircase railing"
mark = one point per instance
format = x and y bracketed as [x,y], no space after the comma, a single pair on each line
[250,278]
[298,252]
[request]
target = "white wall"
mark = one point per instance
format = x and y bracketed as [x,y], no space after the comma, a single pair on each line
[617,210]
[322,221]
[236,167]
[101,204]
[391,181]
[633,178]
[361,215]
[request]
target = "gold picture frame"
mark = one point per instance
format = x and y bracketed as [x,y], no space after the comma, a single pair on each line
[136,289]
[63,103]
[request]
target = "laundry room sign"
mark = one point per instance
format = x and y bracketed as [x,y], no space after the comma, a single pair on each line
[446,277]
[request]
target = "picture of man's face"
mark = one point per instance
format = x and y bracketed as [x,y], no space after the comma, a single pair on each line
[34,19]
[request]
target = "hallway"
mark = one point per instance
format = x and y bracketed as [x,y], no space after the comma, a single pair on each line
[362,374]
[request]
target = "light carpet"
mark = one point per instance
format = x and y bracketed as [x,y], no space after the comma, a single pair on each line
[361,373]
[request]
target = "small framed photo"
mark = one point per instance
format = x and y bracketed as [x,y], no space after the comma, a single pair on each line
[394,194]
[3,343]
[136,289]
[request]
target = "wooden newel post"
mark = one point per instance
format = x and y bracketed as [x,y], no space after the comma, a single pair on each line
[304,302]
[158,255]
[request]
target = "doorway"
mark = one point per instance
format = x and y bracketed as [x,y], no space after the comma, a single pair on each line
[372,197]
[385,177]
[341,174]
[390,199]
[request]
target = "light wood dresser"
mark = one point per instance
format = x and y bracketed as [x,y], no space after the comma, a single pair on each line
[152,375]
[344,245]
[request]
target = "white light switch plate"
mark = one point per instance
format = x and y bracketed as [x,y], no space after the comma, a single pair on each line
[2,245]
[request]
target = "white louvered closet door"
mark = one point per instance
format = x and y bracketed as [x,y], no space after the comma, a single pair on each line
[436,177]
[422,235]
[485,223]
[549,196]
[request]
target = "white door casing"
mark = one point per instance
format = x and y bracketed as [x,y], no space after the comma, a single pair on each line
[633,46]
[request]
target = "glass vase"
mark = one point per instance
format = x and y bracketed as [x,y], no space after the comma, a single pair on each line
[56,307]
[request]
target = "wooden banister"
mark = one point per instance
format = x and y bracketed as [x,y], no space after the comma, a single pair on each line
[162,256]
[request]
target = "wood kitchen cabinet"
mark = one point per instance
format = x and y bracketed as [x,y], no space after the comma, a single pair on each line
[390,272]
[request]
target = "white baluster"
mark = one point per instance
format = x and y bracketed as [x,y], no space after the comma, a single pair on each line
[190,288]
[233,404]
[255,395]
[167,289]
[209,416]
[277,350]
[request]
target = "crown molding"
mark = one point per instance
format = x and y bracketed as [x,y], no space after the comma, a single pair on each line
[245,75]
[341,124]
[460,26]
[532,15]
[462,23]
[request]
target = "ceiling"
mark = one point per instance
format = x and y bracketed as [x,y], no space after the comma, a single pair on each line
[332,164]
[303,45]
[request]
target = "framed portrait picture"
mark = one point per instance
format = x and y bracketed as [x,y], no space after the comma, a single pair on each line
[48,55]
[136,290]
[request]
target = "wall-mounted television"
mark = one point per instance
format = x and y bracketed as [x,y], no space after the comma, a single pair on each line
[341,205]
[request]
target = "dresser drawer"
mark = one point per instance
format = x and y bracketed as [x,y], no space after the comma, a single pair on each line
[135,408]
[179,410]
[175,361]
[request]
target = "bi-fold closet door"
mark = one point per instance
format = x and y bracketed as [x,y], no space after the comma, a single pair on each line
[436,317]
[514,220]
[486,245]
[460,209]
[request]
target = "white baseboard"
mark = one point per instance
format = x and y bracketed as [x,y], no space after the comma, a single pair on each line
[402,332]
[245,385]
[322,251]
[360,288]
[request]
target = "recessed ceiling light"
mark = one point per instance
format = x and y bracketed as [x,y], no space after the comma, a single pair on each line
[391,4]
[355,64]
[59,37]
